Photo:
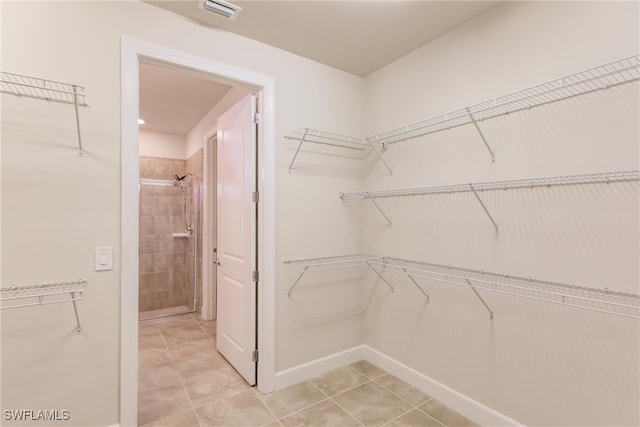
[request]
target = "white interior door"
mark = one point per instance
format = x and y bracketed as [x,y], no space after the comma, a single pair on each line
[236,233]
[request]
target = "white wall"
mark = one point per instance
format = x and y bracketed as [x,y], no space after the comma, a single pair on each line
[537,363]
[56,208]
[207,125]
[162,144]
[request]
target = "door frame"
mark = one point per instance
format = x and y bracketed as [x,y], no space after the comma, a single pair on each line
[132,52]
[209,228]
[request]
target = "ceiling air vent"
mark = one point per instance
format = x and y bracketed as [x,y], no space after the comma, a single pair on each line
[220,7]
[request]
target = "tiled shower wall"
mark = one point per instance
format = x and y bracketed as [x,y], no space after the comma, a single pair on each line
[166,263]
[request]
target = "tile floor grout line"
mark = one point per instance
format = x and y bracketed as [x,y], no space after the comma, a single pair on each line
[298,411]
[399,416]
[347,412]
[200,352]
[429,415]
[234,394]
[304,408]
[255,392]
[402,398]
[336,403]
[184,387]
[193,406]
[182,380]
[164,343]
[278,420]
[352,388]
[214,372]
[374,380]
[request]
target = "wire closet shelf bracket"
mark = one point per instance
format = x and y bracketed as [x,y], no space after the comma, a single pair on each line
[592,299]
[43,294]
[46,90]
[335,140]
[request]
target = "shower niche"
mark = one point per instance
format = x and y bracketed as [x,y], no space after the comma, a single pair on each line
[170,237]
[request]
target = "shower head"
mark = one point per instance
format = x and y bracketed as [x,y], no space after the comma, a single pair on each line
[180,178]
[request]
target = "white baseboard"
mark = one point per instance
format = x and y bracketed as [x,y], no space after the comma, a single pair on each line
[461,403]
[317,367]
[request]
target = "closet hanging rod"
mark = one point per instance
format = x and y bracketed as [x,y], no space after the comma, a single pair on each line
[601,77]
[48,90]
[587,178]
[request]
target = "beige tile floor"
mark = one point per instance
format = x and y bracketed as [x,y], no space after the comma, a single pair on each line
[184,382]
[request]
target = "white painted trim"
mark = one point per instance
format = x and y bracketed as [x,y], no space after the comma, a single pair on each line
[267,239]
[461,403]
[131,52]
[208,227]
[129,237]
[317,367]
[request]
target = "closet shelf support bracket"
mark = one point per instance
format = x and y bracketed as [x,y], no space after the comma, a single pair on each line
[297,280]
[304,136]
[379,157]
[475,193]
[480,298]
[484,140]
[75,311]
[417,285]
[80,153]
[381,277]
[380,210]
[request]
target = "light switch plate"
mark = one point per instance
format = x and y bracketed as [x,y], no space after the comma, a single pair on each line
[103,258]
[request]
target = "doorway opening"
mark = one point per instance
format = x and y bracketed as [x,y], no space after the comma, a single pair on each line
[177,111]
[194,221]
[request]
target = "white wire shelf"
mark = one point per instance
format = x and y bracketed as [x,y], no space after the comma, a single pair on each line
[587,178]
[601,77]
[594,79]
[43,294]
[328,138]
[333,140]
[592,299]
[47,90]
[330,263]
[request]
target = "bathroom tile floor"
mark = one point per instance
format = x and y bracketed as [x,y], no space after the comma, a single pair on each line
[184,382]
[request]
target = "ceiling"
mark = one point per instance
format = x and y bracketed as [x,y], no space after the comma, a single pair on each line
[359,37]
[175,101]
[356,36]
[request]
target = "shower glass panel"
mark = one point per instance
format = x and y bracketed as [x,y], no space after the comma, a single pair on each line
[169,217]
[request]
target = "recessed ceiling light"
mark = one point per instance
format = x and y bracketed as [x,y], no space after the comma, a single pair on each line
[221,7]
[141,121]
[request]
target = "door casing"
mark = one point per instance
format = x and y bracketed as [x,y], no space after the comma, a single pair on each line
[132,53]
